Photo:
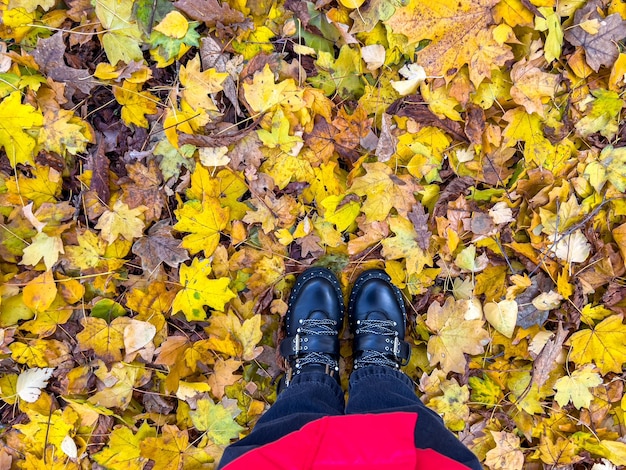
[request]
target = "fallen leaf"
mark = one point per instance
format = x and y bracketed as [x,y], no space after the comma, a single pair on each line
[601,345]
[122,221]
[452,27]
[158,248]
[40,292]
[210,12]
[600,47]
[575,388]
[502,316]
[123,449]
[49,56]
[15,120]
[507,454]
[454,335]
[452,405]
[204,221]
[216,421]
[31,381]
[199,291]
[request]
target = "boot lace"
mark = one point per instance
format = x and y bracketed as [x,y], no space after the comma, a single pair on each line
[316,326]
[371,357]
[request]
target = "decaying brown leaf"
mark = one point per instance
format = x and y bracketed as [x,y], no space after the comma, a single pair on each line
[600,44]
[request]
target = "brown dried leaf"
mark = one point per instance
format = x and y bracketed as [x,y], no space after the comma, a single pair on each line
[142,187]
[100,172]
[387,142]
[160,247]
[600,48]
[419,218]
[210,12]
[49,56]
[546,361]
[475,123]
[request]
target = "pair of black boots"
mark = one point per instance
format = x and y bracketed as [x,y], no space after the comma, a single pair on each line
[376,314]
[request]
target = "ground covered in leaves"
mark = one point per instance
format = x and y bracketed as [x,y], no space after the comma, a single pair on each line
[168,168]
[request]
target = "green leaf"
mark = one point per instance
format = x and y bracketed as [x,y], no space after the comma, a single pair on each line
[216,421]
[147,10]
[108,310]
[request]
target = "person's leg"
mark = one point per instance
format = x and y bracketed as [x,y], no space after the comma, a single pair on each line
[378,321]
[377,389]
[311,350]
[308,397]
[382,389]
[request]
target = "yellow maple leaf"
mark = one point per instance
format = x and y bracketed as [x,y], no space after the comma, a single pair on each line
[575,387]
[151,301]
[452,406]
[513,12]
[285,168]
[16,119]
[558,451]
[184,119]
[135,103]
[526,396]
[89,253]
[39,353]
[47,321]
[616,451]
[340,211]
[507,454]
[43,185]
[121,221]
[527,128]
[263,94]
[485,391]
[43,247]
[31,5]
[200,291]
[62,132]
[488,56]
[123,449]
[199,85]
[227,185]
[328,179]
[453,26]
[174,25]
[119,384]
[172,450]
[223,375]
[602,345]
[47,429]
[52,460]
[233,337]
[278,136]
[532,87]
[404,245]
[106,340]
[204,221]
[216,421]
[267,271]
[457,331]
[382,192]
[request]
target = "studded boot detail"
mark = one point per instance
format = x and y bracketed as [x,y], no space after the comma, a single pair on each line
[313,321]
[377,317]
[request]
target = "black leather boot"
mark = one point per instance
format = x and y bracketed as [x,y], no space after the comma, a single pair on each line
[313,321]
[378,321]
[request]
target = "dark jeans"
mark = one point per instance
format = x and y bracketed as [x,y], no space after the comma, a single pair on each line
[373,389]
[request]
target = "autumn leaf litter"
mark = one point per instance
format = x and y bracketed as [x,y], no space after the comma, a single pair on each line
[167,169]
